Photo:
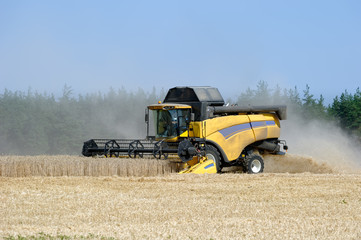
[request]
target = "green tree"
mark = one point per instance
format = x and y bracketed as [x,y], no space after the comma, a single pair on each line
[347,110]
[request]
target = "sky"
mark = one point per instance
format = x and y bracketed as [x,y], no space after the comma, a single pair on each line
[93,46]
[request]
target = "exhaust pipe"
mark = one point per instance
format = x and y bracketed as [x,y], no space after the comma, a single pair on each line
[271,147]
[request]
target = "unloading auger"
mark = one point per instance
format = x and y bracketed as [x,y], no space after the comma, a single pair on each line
[193,124]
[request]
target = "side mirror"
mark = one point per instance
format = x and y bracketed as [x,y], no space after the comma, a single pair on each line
[146,117]
[192,117]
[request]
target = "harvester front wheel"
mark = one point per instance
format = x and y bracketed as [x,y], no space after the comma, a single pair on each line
[213,154]
[254,164]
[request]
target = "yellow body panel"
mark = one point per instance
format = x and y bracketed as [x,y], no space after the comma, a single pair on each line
[265,126]
[274,130]
[196,129]
[233,133]
[259,126]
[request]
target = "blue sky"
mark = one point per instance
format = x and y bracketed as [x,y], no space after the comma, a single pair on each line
[94,45]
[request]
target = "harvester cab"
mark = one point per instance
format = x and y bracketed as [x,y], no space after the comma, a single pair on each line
[171,121]
[194,123]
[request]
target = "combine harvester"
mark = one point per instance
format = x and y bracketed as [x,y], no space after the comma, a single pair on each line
[207,135]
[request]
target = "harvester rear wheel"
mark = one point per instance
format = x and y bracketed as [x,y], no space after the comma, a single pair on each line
[253,164]
[213,154]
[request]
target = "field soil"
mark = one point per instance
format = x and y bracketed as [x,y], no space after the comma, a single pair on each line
[323,204]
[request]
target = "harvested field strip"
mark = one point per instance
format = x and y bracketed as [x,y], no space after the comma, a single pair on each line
[226,206]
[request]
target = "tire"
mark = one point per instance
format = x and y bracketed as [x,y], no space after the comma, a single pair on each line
[212,153]
[254,164]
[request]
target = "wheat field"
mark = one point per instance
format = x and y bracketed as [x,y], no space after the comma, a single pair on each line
[65,165]
[124,199]
[45,165]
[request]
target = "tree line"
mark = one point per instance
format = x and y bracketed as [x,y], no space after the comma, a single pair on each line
[345,110]
[32,123]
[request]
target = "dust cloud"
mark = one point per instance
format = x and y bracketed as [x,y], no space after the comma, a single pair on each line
[316,146]
[293,163]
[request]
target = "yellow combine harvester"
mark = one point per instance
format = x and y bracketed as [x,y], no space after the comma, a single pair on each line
[207,135]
